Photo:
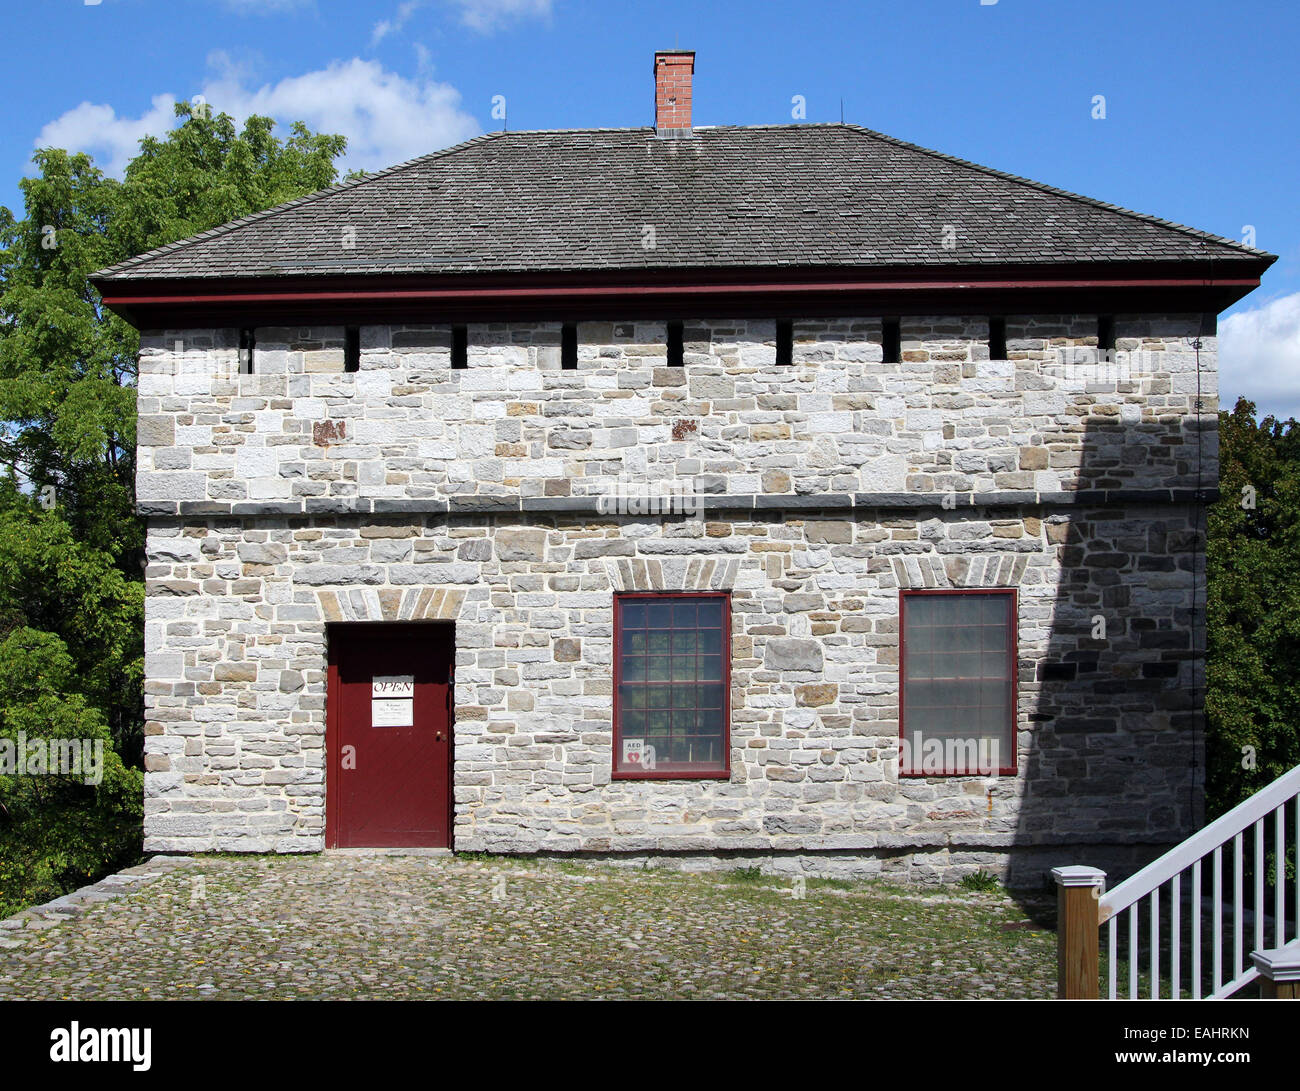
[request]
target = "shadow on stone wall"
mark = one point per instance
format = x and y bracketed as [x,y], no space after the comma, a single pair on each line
[1113,770]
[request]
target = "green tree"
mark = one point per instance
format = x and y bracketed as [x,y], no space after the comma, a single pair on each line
[1253,613]
[205,174]
[54,583]
[71,544]
[68,366]
[59,826]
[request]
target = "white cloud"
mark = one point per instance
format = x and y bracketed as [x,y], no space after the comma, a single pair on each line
[1259,357]
[385,27]
[386,117]
[486,16]
[96,128]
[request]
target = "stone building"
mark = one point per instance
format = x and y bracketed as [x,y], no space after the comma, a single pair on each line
[592,491]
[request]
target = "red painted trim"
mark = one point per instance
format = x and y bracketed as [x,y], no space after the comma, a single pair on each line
[451,744]
[1013,594]
[616,732]
[331,741]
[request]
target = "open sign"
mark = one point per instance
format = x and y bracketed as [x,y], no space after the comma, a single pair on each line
[392,685]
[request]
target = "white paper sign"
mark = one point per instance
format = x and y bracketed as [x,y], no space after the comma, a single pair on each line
[632,751]
[392,700]
[392,685]
[391,712]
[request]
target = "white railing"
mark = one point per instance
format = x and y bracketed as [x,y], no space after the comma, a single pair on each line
[1196,963]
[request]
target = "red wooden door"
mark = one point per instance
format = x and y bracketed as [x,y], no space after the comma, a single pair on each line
[389,736]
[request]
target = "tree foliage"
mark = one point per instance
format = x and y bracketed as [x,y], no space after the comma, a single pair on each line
[58,826]
[1253,612]
[71,544]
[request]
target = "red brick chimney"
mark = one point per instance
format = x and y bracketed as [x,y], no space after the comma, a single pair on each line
[673,71]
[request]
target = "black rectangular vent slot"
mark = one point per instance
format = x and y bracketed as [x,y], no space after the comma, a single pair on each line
[247,345]
[997,338]
[676,350]
[1105,333]
[569,346]
[891,341]
[352,348]
[459,347]
[784,342]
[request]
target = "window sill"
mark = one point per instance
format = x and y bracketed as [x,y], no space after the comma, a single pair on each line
[973,775]
[675,774]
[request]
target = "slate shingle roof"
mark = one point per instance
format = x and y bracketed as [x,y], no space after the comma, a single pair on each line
[760,196]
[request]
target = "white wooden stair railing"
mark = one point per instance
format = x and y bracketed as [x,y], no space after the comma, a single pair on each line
[1188,959]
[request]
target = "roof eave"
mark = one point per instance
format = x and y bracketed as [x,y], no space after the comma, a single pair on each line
[1123,288]
[1135,287]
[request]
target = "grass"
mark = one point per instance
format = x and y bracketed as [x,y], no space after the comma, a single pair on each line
[835,884]
[981,882]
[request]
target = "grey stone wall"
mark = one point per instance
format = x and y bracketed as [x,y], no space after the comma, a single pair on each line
[303,435]
[268,493]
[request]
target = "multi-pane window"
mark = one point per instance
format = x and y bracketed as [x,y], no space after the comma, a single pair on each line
[672,664]
[958,666]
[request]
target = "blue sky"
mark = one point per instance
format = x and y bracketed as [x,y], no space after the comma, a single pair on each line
[1202,98]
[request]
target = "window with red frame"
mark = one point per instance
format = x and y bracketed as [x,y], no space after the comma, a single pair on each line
[672,666]
[958,666]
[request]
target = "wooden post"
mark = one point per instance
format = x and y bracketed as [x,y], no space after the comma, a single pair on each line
[1279,972]
[1077,921]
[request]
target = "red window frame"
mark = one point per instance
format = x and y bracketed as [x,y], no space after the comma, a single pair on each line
[1013,597]
[723,772]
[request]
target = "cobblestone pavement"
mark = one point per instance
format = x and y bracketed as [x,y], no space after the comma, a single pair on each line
[396,927]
